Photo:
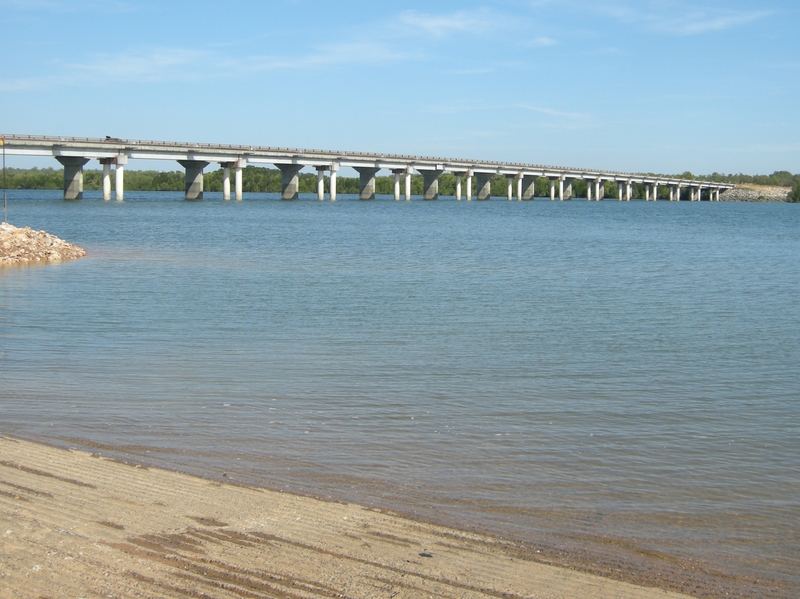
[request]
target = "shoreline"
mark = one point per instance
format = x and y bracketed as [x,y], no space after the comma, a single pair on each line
[75,520]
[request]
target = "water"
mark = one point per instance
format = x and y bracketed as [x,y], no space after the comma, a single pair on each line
[615,384]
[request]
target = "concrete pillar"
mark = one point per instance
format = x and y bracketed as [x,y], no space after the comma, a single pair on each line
[408,186]
[655,192]
[519,187]
[119,182]
[647,192]
[628,191]
[510,187]
[237,182]
[671,193]
[333,185]
[560,189]
[226,182]
[106,162]
[552,189]
[321,183]
[588,191]
[397,185]
[458,188]
[469,188]
[716,194]
[598,192]
[430,186]
[366,182]
[194,178]
[528,187]
[620,185]
[73,176]
[568,188]
[677,193]
[484,181]
[290,180]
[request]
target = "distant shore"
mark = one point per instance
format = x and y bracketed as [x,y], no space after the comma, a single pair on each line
[74,524]
[20,246]
[756,193]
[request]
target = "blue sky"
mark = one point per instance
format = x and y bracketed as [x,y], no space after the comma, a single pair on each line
[649,85]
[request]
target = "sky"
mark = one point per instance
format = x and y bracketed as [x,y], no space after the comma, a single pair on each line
[662,86]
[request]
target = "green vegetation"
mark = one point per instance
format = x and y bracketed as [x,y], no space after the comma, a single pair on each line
[260,179]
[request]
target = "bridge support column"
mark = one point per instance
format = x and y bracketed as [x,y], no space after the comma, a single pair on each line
[237,179]
[677,193]
[290,180]
[620,186]
[553,189]
[119,181]
[510,187]
[430,184]
[716,194]
[588,191]
[519,187]
[647,192]
[458,188]
[484,182]
[226,182]
[397,174]
[655,192]
[568,188]
[671,193]
[73,176]
[366,182]
[333,185]
[194,178]
[321,183]
[407,186]
[528,187]
[106,162]
[469,187]
[599,189]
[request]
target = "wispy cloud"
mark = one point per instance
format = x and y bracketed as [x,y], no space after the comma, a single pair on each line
[677,18]
[540,42]
[551,112]
[442,25]
[159,64]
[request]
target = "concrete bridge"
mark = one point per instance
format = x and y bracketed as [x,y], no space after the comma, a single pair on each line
[473,177]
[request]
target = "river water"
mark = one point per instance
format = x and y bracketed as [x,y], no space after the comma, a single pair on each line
[613,384]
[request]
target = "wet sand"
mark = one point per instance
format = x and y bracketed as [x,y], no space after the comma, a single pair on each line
[74,524]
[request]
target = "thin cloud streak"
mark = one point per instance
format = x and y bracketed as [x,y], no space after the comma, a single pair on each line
[156,65]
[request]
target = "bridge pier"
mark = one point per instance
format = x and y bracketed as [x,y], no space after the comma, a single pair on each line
[332,183]
[599,189]
[73,176]
[194,178]
[510,187]
[619,189]
[528,187]
[290,180]
[567,182]
[397,174]
[655,192]
[430,185]
[106,162]
[469,187]
[226,182]
[553,188]
[484,183]
[519,187]
[458,188]
[366,182]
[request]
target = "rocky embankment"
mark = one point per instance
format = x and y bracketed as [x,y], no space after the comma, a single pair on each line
[18,246]
[755,193]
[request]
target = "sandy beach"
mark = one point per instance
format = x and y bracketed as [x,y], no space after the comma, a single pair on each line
[74,524]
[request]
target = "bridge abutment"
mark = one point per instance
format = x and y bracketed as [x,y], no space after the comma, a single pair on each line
[528,187]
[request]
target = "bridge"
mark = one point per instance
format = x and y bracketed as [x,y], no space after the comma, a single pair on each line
[471,175]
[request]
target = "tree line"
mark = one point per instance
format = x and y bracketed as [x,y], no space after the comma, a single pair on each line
[266,180]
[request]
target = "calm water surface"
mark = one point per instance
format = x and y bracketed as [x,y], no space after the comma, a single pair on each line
[619,379]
